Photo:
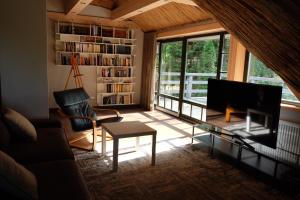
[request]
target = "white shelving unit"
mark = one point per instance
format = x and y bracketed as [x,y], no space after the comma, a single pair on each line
[111,50]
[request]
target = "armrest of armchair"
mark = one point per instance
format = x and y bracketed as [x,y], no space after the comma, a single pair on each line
[113,110]
[87,118]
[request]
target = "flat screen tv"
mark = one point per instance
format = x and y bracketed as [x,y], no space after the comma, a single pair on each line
[246,109]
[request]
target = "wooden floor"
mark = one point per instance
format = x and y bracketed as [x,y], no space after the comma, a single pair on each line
[171,132]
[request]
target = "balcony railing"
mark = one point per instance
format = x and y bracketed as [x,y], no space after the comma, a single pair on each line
[195,85]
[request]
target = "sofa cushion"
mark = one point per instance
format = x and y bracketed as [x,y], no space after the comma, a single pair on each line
[20,128]
[15,180]
[4,137]
[51,144]
[59,180]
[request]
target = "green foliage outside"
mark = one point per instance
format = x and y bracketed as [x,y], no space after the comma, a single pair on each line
[202,57]
[259,69]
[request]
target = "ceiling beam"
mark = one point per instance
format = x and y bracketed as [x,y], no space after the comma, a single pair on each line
[135,7]
[74,7]
[203,27]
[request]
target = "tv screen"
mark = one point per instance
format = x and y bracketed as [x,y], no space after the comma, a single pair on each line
[249,110]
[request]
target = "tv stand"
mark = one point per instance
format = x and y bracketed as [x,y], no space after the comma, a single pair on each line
[243,151]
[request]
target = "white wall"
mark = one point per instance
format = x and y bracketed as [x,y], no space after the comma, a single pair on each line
[57,75]
[23,57]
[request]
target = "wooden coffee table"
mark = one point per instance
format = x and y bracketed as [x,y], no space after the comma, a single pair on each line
[120,130]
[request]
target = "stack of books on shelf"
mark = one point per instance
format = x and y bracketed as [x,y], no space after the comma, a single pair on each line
[82,30]
[118,88]
[120,33]
[123,49]
[118,72]
[125,99]
[107,32]
[113,61]
[100,48]
[87,39]
[88,60]
[66,29]
[110,100]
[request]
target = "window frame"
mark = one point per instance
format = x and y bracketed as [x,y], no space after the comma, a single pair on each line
[246,75]
[181,99]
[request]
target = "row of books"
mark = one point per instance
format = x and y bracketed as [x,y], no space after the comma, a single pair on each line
[119,72]
[114,61]
[97,60]
[78,30]
[118,88]
[65,59]
[93,48]
[117,99]
[95,31]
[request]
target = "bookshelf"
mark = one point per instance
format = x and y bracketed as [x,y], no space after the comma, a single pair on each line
[111,50]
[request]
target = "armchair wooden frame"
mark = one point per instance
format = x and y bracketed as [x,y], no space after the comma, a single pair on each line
[94,128]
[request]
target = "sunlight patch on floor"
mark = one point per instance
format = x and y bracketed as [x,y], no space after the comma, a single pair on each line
[171,133]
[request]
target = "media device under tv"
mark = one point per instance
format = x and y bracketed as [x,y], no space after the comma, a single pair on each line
[260,102]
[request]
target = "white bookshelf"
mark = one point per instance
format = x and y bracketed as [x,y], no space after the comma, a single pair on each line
[110,50]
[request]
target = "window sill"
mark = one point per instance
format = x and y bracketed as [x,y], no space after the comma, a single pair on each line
[291,106]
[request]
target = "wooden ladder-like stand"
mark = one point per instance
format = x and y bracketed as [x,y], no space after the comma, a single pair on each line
[76,73]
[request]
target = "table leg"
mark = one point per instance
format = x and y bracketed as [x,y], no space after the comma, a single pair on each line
[193,134]
[153,149]
[115,154]
[103,142]
[137,143]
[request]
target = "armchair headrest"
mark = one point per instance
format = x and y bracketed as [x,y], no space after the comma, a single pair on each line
[70,97]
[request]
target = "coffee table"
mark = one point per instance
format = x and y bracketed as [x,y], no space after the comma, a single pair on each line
[120,130]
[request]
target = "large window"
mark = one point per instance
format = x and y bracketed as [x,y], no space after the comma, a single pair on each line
[184,67]
[259,73]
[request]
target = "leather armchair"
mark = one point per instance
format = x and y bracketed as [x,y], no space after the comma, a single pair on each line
[74,104]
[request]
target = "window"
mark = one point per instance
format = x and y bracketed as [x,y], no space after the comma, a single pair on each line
[259,73]
[183,68]
[201,64]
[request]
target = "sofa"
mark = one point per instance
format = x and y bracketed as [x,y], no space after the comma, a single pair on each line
[49,159]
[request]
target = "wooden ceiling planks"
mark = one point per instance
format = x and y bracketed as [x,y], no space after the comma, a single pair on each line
[109,4]
[169,15]
[269,29]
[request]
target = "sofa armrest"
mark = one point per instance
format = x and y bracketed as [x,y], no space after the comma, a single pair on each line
[46,123]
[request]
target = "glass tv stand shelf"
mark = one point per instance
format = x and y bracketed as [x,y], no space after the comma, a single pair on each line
[274,162]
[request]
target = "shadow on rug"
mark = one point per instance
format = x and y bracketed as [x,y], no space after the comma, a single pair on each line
[182,173]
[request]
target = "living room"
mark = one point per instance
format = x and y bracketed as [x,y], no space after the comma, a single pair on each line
[148,70]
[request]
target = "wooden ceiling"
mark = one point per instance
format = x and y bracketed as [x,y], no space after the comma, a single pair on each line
[109,4]
[169,15]
[149,15]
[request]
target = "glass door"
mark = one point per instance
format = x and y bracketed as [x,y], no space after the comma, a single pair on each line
[169,75]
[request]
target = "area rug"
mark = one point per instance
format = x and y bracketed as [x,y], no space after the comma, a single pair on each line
[182,173]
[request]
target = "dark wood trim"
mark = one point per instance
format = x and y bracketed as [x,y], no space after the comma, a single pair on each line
[246,66]
[182,75]
[220,52]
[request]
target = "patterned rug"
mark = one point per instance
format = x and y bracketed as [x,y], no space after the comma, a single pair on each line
[182,173]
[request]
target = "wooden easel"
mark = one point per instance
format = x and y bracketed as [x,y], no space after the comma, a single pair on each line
[76,73]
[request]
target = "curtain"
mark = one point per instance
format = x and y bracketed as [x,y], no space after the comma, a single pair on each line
[148,71]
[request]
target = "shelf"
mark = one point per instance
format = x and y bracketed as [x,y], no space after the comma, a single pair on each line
[117,93]
[118,104]
[115,77]
[92,47]
[96,43]
[96,36]
[114,54]
[114,83]
[111,66]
